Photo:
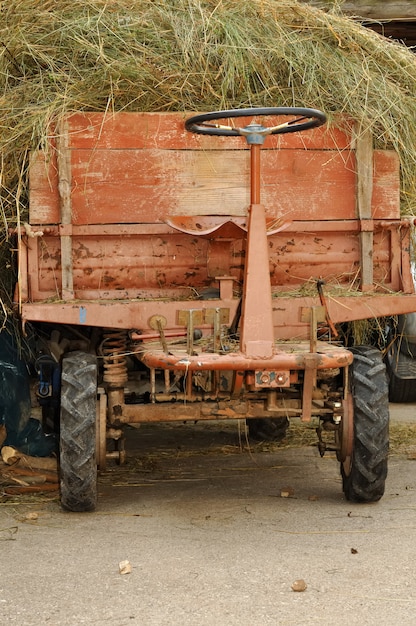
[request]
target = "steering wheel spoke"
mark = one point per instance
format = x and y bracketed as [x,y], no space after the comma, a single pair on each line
[206,125]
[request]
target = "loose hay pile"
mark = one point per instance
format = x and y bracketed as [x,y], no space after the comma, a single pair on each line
[167,55]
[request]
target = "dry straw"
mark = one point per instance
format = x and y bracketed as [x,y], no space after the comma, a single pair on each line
[139,55]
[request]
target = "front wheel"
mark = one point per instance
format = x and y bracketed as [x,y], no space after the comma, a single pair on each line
[77,432]
[364,472]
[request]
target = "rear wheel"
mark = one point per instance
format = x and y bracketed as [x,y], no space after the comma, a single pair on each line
[268,429]
[77,432]
[364,472]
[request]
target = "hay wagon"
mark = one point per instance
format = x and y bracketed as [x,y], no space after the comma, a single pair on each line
[206,267]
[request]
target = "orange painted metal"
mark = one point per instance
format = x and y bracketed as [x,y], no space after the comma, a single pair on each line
[286,357]
[255,155]
[287,311]
[257,332]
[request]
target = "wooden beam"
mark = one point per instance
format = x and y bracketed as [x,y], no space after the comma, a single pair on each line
[380,9]
[64,186]
[364,157]
[372,9]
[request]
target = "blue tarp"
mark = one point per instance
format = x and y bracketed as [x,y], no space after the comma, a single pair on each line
[23,431]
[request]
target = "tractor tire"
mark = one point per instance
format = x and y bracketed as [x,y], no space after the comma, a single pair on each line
[77,432]
[364,474]
[268,428]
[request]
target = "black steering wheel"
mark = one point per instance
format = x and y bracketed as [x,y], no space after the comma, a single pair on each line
[301,119]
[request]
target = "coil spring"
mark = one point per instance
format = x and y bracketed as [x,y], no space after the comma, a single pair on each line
[113,350]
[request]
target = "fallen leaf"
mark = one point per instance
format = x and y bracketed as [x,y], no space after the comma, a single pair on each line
[299,585]
[32,516]
[124,567]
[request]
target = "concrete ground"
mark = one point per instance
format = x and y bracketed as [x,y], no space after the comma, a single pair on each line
[211,540]
[403,413]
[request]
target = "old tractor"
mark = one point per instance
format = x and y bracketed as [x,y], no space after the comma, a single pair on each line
[207,267]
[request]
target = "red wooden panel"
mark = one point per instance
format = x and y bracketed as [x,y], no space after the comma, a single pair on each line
[302,258]
[147,184]
[43,189]
[386,185]
[111,186]
[134,265]
[167,130]
[175,264]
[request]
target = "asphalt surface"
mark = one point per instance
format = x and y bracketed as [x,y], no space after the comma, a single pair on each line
[211,541]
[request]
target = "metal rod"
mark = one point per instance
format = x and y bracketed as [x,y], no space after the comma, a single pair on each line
[255,173]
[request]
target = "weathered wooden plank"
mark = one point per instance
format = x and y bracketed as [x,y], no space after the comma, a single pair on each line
[296,185]
[44,207]
[121,266]
[386,185]
[116,186]
[364,157]
[63,155]
[129,131]
[129,186]
[373,9]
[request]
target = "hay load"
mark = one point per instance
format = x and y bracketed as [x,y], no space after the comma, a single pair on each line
[58,56]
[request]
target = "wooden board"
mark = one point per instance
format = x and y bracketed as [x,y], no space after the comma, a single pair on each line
[373,9]
[147,210]
[143,168]
[127,131]
[162,264]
